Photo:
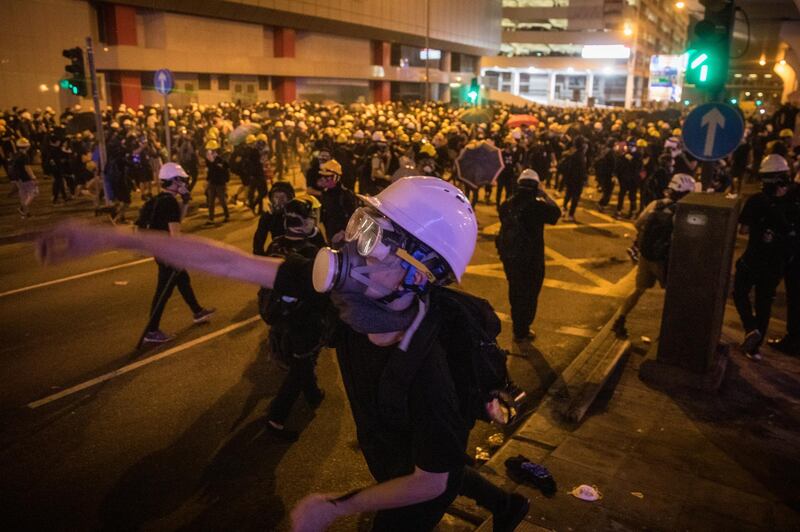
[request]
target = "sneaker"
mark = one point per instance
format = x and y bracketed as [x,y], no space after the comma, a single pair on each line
[619,327]
[280,432]
[529,337]
[203,315]
[633,253]
[516,508]
[571,218]
[754,356]
[523,471]
[751,341]
[157,337]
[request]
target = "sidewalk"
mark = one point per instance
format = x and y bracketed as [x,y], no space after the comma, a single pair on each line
[671,458]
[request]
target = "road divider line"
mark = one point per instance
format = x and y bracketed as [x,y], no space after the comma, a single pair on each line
[73,277]
[141,363]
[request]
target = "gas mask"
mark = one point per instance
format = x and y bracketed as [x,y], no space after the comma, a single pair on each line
[370,234]
[178,187]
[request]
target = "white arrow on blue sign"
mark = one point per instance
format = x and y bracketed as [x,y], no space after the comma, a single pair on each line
[163,81]
[712,131]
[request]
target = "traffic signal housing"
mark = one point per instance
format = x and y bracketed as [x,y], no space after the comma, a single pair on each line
[75,82]
[708,55]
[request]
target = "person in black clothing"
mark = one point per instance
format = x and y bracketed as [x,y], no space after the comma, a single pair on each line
[388,314]
[270,223]
[628,165]
[297,327]
[338,203]
[520,244]
[790,342]
[505,180]
[770,220]
[604,168]
[740,162]
[575,172]
[20,172]
[218,176]
[165,215]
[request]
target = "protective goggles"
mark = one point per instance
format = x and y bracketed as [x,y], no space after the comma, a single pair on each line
[376,236]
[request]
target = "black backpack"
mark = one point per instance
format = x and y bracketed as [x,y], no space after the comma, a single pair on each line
[511,232]
[468,332]
[656,235]
[147,214]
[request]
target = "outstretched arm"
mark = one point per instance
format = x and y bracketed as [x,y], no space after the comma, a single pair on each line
[73,240]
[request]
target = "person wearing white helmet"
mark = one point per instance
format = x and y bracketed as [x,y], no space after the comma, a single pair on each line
[396,329]
[651,251]
[21,174]
[162,213]
[770,221]
[520,244]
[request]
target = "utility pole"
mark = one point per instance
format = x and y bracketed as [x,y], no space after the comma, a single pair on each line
[98,120]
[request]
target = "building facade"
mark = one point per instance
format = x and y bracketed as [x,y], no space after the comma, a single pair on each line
[581,51]
[247,50]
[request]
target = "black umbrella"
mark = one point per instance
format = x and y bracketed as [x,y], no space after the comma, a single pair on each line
[479,164]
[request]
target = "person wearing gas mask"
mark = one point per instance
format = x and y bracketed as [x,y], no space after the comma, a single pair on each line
[338,203]
[163,213]
[312,176]
[770,221]
[386,284]
[218,176]
[654,233]
[297,326]
[520,244]
[271,222]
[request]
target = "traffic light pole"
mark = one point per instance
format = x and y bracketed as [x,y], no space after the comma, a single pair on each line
[167,133]
[98,120]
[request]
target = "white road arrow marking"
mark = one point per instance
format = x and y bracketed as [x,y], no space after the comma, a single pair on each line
[712,119]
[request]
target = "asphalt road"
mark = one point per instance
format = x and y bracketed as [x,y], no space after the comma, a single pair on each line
[97,435]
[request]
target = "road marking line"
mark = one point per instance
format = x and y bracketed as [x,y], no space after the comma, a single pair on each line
[608,218]
[577,268]
[577,331]
[494,229]
[141,363]
[73,277]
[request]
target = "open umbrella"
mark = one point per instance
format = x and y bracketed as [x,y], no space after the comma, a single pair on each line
[479,164]
[476,116]
[521,120]
[239,134]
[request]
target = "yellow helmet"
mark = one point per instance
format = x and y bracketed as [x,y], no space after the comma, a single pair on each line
[171,123]
[786,133]
[403,137]
[416,137]
[315,204]
[331,167]
[278,124]
[262,137]
[428,149]
[341,138]
[631,125]
[676,132]
[641,143]
[250,139]
[212,145]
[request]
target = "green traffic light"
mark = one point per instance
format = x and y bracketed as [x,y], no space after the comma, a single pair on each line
[734,101]
[472,95]
[686,102]
[759,102]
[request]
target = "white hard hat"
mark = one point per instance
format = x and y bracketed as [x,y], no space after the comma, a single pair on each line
[681,183]
[170,171]
[436,213]
[358,134]
[378,137]
[773,163]
[528,175]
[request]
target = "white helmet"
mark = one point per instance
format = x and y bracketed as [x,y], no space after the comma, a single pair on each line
[378,137]
[528,175]
[436,213]
[773,163]
[170,171]
[681,183]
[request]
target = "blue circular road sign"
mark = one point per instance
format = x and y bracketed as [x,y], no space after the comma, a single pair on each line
[712,131]
[163,81]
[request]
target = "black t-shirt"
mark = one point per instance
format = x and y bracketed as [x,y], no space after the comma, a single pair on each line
[534,211]
[165,211]
[772,224]
[435,436]
[18,164]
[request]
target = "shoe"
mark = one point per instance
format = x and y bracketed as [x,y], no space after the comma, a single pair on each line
[522,470]
[203,315]
[754,356]
[786,345]
[280,432]
[531,336]
[619,327]
[515,511]
[633,253]
[751,341]
[571,219]
[318,401]
[157,337]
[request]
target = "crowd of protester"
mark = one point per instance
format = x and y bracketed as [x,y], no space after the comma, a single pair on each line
[631,154]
